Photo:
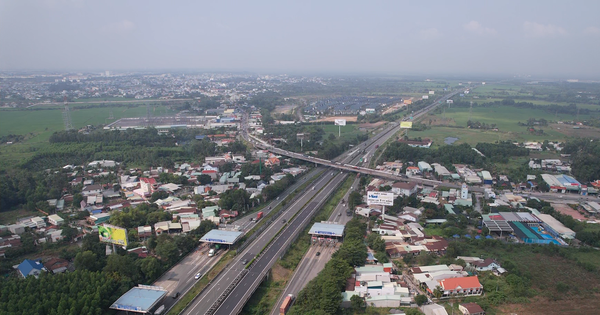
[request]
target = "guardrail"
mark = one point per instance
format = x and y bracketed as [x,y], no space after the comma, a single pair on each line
[225,294]
[290,240]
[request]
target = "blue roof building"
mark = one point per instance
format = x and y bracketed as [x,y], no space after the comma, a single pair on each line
[30,268]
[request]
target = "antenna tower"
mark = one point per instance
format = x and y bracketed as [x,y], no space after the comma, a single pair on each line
[148,114]
[67,115]
[470,110]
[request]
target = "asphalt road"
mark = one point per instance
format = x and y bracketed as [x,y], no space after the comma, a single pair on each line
[245,288]
[238,297]
[180,278]
[311,264]
[203,302]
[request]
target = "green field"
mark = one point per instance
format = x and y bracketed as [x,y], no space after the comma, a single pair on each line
[350,131]
[38,124]
[506,119]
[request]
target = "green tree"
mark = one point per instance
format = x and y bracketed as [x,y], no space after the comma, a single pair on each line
[166,248]
[68,233]
[438,292]
[150,267]
[420,299]
[86,260]
[357,303]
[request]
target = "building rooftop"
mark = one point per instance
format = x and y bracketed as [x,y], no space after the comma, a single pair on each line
[221,237]
[139,299]
[329,229]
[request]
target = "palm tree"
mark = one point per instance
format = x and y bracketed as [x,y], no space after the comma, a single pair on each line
[438,292]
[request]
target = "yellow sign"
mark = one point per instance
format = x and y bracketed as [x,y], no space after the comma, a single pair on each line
[406,124]
[112,234]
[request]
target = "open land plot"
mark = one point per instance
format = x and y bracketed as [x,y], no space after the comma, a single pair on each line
[284,109]
[544,306]
[347,132]
[505,118]
[40,124]
[333,118]
[565,209]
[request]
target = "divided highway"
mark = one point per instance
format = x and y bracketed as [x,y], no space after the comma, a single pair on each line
[320,190]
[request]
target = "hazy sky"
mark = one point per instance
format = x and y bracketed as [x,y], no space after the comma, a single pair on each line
[543,38]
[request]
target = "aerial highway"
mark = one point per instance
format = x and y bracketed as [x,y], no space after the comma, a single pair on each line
[311,264]
[205,301]
[180,278]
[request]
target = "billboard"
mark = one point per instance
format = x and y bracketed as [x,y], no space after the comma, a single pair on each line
[380,198]
[340,122]
[112,234]
[406,124]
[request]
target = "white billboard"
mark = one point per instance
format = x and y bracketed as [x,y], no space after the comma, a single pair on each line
[340,122]
[380,198]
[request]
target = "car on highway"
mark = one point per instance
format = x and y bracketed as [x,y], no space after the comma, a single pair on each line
[176,295]
[318,254]
[244,261]
[283,221]
[339,214]
[197,276]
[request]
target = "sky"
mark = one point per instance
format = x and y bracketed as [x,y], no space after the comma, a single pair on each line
[540,38]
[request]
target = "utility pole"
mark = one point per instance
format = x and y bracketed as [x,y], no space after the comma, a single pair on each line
[67,115]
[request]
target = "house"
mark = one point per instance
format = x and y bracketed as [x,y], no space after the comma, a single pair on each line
[412,171]
[465,286]
[30,268]
[485,265]
[55,219]
[91,190]
[404,189]
[471,309]
[56,265]
[16,228]
[433,309]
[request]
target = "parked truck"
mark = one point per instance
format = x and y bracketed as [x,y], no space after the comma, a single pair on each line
[287,303]
[259,216]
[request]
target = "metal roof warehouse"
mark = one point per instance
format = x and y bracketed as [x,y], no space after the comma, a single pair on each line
[140,299]
[221,237]
[328,229]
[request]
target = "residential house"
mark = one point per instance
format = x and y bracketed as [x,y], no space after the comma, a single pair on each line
[404,189]
[91,190]
[465,286]
[54,219]
[471,309]
[30,268]
[56,265]
[485,265]
[433,309]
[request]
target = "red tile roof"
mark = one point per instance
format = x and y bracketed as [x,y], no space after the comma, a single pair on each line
[464,282]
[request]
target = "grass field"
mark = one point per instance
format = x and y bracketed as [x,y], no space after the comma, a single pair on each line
[38,125]
[506,120]
[348,132]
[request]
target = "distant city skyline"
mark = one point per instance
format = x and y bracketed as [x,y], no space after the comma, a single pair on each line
[544,39]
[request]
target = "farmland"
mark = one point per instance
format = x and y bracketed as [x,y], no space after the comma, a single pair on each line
[505,118]
[39,124]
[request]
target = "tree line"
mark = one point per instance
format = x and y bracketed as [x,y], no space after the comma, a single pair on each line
[322,295]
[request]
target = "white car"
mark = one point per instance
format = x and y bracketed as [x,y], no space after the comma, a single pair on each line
[198,275]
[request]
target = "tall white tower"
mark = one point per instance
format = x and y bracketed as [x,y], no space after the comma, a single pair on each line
[464,192]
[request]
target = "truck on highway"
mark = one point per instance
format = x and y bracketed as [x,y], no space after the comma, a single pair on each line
[214,251]
[159,310]
[259,216]
[287,303]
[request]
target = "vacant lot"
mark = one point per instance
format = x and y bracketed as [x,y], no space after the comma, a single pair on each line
[565,209]
[347,118]
[38,124]
[505,118]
